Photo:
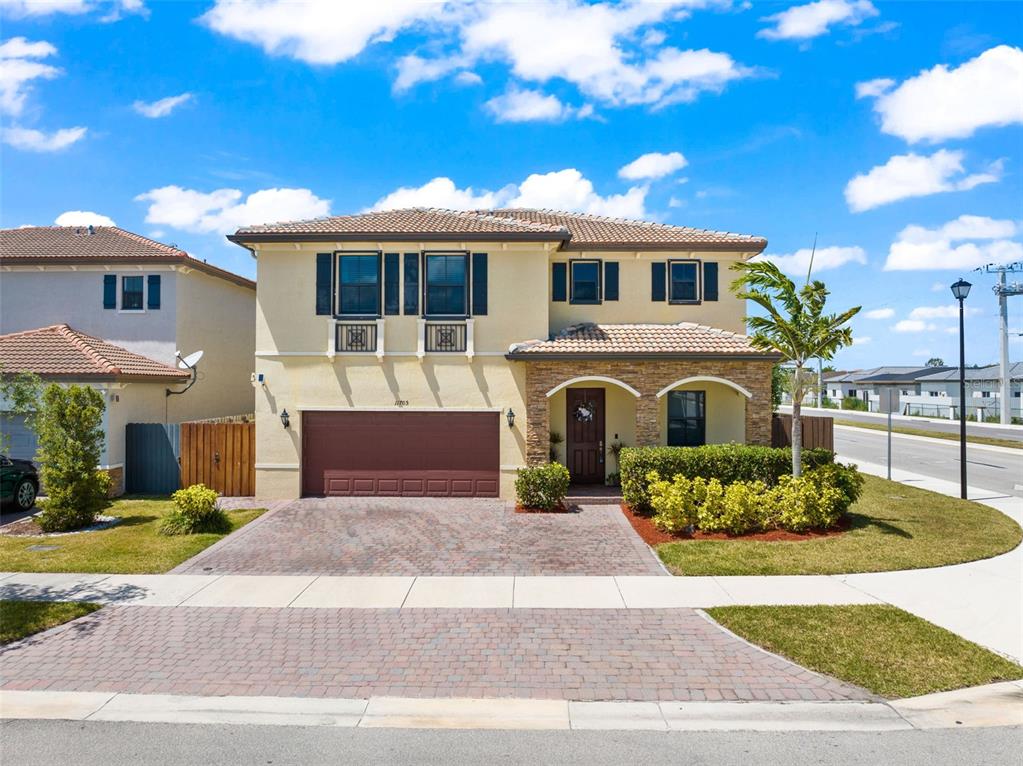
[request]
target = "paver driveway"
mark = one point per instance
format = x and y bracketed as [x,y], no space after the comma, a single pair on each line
[406,536]
[579,654]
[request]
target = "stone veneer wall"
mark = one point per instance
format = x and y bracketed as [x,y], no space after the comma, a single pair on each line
[648,377]
[116,481]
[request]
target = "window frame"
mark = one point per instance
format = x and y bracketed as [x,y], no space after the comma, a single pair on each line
[338,255]
[142,293]
[702,419]
[572,300]
[698,282]
[424,284]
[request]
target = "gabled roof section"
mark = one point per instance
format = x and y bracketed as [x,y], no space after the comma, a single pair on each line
[887,374]
[671,341]
[60,351]
[56,245]
[574,231]
[989,372]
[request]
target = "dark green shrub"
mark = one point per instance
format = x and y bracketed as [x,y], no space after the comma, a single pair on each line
[854,403]
[542,487]
[195,510]
[728,463]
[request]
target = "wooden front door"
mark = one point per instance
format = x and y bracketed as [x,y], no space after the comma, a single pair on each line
[584,441]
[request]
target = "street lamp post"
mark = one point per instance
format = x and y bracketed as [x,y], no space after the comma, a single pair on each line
[960,290]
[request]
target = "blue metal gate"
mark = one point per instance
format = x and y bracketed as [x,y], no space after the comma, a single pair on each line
[151,454]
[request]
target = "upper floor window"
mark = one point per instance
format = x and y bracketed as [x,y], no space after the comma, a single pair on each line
[131,293]
[359,285]
[585,281]
[446,288]
[684,281]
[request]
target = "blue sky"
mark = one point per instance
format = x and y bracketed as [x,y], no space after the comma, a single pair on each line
[892,131]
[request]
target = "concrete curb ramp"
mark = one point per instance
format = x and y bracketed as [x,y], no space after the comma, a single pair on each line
[994,705]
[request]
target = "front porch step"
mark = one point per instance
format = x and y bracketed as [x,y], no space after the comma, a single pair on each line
[593,494]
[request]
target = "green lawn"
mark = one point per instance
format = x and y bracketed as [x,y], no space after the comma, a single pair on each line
[131,547]
[893,527]
[23,618]
[993,441]
[881,648]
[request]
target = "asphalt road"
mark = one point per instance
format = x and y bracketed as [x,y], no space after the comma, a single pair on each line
[922,424]
[994,469]
[93,743]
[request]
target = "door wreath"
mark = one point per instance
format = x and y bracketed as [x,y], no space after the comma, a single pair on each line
[584,412]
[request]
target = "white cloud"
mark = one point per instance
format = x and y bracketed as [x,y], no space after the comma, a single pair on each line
[29,8]
[913,325]
[874,88]
[83,218]
[939,312]
[824,258]
[466,77]
[923,352]
[518,105]
[886,313]
[162,107]
[18,68]
[31,140]
[942,103]
[803,22]
[224,210]
[605,49]
[562,190]
[653,165]
[939,286]
[915,175]
[967,242]
[861,340]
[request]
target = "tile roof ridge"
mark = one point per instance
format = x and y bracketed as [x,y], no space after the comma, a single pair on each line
[47,328]
[632,222]
[144,239]
[81,341]
[491,215]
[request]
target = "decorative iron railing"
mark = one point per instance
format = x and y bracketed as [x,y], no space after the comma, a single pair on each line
[445,336]
[356,338]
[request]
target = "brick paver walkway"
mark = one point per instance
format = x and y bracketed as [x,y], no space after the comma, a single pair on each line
[655,654]
[405,536]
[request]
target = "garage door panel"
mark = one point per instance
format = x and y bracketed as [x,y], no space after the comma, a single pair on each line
[412,454]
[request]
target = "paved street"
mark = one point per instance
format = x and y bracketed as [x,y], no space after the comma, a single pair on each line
[89,743]
[995,469]
[940,425]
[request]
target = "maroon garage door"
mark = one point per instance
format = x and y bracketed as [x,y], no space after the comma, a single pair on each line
[435,454]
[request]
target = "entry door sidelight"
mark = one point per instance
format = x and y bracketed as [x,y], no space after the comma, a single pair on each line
[585,434]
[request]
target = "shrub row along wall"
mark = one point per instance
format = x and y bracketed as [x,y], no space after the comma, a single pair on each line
[728,463]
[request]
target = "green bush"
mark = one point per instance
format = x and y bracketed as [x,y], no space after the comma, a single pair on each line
[728,463]
[854,403]
[542,487]
[69,424]
[804,503]
[843,477]
[675,502]
[195,510]
[740,510]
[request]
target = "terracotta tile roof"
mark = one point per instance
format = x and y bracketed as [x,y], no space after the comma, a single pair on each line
[672,340]
[61,351]
[35,245]
[575,231]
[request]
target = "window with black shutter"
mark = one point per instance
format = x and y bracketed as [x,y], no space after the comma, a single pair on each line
[153,292]
[611,280]
[658,270]
[684,281]
[559,282]
[392,284]
[710,281]
[585,282]
[359,284]
[446,283]
[324,283]
[411,278]
[131,293]
[479,284]
[110,291]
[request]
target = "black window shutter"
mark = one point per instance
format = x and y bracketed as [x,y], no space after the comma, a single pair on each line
[109,291]
[559,277]
[392,286]
[710,281]
[658,280]
[411,283]
[324,283]
[611,280]
[479,284]
[153,291]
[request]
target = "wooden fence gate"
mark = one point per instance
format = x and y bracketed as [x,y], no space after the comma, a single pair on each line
[818,431]
[221,456]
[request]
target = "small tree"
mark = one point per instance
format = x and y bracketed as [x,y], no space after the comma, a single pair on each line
[796,326]
[935,361]
[69,424]
[19,393]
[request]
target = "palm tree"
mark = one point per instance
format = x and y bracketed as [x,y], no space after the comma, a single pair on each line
[796,326]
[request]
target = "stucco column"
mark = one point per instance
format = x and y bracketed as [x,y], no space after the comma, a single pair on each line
[538,418]
[648,431]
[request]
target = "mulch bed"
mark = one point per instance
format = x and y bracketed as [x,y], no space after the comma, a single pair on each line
[560,508]
[29,527]
[652,536]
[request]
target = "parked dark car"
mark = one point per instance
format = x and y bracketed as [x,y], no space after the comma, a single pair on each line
[19,483]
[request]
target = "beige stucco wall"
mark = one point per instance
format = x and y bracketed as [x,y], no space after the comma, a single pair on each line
[634,303]
[725,413]
[218,317]
[619,419]
[130,403]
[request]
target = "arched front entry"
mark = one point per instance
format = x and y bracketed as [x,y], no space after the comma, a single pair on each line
[590,417]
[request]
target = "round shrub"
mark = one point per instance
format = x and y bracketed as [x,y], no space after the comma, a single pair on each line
[803,503]
[738,511]
[542,487]
[195,510]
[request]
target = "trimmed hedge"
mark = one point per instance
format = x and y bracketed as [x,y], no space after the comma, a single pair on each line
[542,487]
[728,463]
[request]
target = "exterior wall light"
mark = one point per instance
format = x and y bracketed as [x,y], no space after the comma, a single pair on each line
[511,417]
[285,418]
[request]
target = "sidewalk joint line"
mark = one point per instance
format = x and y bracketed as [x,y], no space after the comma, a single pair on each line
[299,594]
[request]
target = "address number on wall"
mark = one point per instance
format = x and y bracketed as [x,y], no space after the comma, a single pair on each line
[401,402]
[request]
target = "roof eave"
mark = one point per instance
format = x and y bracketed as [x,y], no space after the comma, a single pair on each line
[639,356]
[184,259]
[399,236]
[755,248]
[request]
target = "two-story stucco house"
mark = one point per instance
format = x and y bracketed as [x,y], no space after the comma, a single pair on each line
[433,352]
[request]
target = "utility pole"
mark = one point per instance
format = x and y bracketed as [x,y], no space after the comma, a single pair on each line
[1003,291]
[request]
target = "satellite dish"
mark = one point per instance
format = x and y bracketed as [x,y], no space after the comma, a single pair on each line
[189,361]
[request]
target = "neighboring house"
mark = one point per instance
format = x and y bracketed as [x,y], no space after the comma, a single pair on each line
[983,387]
[432,352]
[133,386]
[865,384]
[149,298]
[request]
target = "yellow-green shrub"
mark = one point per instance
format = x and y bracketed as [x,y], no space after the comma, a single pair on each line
[195,510]
[805,503]
[676,503]
[739,510]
